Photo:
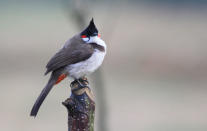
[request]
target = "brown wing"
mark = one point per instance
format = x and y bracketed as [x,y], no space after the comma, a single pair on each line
[72,53]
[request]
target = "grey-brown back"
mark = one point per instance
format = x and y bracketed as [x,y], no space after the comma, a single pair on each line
[74,51]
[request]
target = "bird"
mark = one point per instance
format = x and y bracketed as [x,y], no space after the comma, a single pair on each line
[81,55]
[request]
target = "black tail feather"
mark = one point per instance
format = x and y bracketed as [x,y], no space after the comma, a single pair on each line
[42,96]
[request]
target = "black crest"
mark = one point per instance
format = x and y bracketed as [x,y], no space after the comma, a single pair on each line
[91,30]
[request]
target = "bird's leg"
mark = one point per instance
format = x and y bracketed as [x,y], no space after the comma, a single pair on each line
[79,85]
[84,80]
[79,82]
[72,83]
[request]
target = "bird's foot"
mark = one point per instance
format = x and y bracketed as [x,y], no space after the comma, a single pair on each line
[79,83]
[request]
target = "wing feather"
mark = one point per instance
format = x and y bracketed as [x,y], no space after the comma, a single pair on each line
[72,53]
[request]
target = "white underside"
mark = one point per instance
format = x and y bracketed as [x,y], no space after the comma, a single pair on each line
[88,66]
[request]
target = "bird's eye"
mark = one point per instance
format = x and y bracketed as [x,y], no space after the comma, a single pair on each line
[85,38]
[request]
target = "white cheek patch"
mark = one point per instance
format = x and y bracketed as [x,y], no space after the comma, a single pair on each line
[99,41]
[85,39]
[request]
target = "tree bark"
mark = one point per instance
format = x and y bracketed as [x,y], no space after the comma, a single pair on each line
[80,107]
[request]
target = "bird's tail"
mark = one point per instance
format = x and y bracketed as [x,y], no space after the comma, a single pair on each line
[43,95]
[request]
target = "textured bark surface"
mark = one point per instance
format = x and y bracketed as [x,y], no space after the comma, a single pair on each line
[81,107]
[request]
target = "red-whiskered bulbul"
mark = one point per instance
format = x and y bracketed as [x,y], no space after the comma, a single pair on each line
[81,55]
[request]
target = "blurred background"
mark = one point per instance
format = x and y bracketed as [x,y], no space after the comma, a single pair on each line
[154,77]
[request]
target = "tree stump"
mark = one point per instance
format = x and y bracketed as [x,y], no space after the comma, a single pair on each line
[80,107]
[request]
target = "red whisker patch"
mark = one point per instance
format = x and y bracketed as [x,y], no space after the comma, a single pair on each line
[83,36]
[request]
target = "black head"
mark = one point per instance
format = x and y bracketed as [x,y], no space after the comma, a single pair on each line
[91,30]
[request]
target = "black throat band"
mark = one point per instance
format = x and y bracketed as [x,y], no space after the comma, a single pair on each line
[99,47]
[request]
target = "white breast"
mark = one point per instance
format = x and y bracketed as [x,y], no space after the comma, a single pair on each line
[90,65]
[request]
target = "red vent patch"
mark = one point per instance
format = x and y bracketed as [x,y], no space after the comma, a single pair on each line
[60,78]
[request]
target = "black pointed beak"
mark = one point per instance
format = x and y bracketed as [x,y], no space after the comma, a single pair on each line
[94,34]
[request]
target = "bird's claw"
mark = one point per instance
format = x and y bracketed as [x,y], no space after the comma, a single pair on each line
[81,83]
